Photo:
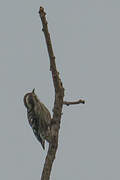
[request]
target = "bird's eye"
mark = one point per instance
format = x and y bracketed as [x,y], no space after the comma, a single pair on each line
[31,121]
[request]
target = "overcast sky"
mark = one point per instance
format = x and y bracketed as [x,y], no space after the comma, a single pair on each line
[86,41]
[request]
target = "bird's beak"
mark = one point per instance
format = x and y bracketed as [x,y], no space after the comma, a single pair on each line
[33,91]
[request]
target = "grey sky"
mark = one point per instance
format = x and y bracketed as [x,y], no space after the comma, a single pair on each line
[86,41]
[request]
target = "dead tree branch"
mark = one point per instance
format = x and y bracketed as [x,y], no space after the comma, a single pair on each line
[80,101]
[58,103]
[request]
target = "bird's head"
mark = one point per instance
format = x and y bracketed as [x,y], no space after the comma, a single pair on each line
[29,99]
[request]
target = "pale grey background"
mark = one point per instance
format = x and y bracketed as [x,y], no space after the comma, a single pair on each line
[86,40]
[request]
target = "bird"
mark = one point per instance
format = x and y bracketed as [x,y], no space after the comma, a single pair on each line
[38,116]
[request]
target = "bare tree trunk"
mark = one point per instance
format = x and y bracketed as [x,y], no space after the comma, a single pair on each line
[58,103]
